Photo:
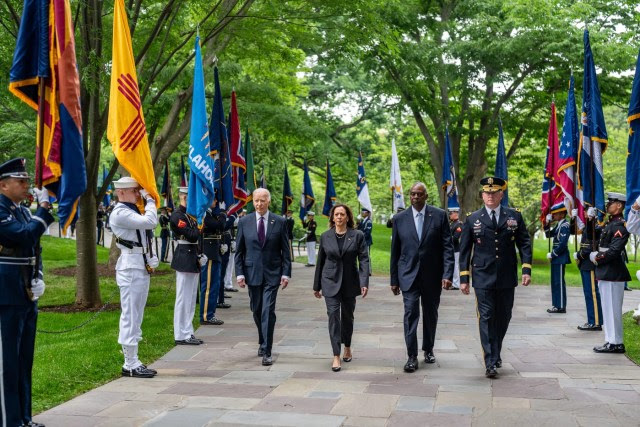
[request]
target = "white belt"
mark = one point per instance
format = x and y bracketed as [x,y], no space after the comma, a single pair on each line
[6,260]
[184,242]
[137,251]
[601,249]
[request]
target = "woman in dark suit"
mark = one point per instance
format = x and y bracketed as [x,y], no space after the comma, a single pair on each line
[342,273]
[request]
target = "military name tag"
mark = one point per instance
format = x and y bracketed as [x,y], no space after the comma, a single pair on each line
[477,227]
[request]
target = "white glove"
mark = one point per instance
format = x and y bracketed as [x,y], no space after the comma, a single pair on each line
[37,288]
[638,274]
[592,257]
[145,195]
[41,195]
[153,262]
[548,218]
[574,213]
[575,256]
[549,255]
[202,260]
[591,212]
[224,248]
[233,246]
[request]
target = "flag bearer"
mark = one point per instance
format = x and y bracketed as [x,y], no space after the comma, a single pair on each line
[559,256]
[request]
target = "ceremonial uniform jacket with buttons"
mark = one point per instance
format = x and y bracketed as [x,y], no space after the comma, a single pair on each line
[229,225]
[212,234]
[19,234]
[185,229]
[127,223]
[488,255]
[610,265]
[586,246]
[560,251]
[311,226]
[366,226]
[456,232]
[163,220]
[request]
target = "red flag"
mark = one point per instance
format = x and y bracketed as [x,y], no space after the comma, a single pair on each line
[238,162]
[551,193]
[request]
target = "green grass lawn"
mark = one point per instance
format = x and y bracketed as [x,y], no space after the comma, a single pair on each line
[69,364]
[631,337]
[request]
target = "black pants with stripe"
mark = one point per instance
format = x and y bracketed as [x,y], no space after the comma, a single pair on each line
[494,308]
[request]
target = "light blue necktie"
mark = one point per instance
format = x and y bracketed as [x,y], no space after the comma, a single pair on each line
[420,223]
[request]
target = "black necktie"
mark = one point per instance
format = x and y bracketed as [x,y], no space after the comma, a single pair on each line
[493,220]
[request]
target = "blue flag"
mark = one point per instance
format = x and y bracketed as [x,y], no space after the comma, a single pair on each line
[593,138]
[501,165]
[362,186]
[633,147]
[449,183]
[201,162]
[287,195]
[306,199]
[106,200]
[329,194]
[220,144]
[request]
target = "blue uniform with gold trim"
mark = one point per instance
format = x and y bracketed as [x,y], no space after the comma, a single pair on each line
[19,234]
[559,258]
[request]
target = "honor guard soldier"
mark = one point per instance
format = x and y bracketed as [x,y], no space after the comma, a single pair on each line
[290,224]
[165,234]
[212,231]
[132,231]
[225,251]
[456,231]
[21,285]
[559,256]
[311,225]
[590,234]
[187,262]
[612,273]
[488,257]
[366,226]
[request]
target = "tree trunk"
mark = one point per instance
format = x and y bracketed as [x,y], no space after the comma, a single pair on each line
[87,289]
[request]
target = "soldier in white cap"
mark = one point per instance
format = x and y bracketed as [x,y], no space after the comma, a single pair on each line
[612,273]
[132,230]
[187,262]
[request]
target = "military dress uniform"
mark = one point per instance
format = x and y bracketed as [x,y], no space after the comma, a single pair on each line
[488,257]
[366,226]
[132,232]
[559,257]
[290,224]
[456,232]
[19,242]
[227,238]
[590,287]
[612,273]
[311,226]
[187,266]
[210,273]
[165,234]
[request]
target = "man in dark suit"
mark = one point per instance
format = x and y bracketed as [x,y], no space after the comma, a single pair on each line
[263,262]
[421,265]
[491,235]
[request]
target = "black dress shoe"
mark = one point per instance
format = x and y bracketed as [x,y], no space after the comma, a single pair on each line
[411,365]
[189,341]
[139,372]
[491,372]
[610,348]
[590,327]
[267,360]
[193,337]
[33,424]
[556,310]
[223,305]
[153,371]
[429,357]
[230,290]
[498,364]
[227,296]
[212,321]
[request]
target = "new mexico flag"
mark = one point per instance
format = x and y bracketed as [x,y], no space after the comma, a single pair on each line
[126,128]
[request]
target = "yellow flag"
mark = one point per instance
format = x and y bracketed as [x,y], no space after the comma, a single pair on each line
[126,128]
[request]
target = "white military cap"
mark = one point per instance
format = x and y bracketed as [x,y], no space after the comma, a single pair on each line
[311,213]
[617,197]
[126,182]
[183,190]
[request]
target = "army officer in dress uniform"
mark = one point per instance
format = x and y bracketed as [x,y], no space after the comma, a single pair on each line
[20,287]
[187,261]
[212,230]
[132,232]
[612,273]
[491,235]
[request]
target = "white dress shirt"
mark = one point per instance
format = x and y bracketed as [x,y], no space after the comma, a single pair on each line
[266,220]
[496,210]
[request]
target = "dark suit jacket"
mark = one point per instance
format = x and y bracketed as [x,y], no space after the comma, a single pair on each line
[337,270]
[266,264]
[432,255]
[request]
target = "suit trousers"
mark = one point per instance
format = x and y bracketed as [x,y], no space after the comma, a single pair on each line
[493,307]
[262,301]
[18,336]
[185,308]
[456,270]
[612,294]
[340,311]
[133,284]
[591,297]
[427,296]
[558,286]
[209,289]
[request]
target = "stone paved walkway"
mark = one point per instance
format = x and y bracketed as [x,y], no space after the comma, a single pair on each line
[550,374]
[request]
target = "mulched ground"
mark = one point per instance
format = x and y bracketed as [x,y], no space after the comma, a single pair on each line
[77,308]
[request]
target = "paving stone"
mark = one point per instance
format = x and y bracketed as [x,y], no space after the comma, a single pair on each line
[91,405]
[224,390]
[270,378]
[220,402]
[404,419]
[279,419]
[425,390]
[365,422]
[304,405]
[193,417]
[415,404]
[511,402]
[342,386]
[472,400]
[325,394]
[528,388]
[523,417]
[359,405]
[131,409]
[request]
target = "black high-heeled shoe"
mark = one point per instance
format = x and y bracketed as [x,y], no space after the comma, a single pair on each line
[347,359]
[336,368]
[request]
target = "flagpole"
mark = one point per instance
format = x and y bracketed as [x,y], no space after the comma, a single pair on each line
[39,152]
[594,244]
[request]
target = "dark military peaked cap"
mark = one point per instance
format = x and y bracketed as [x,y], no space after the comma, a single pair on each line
[492,184]
[14,168]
